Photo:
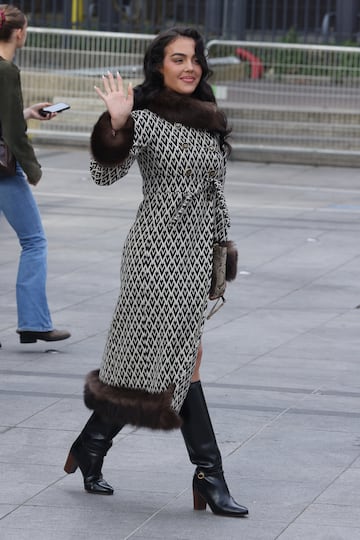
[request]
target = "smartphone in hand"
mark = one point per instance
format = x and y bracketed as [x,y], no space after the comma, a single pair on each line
[56,108]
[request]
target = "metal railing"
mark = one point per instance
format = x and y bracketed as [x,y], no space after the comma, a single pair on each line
[64,65]
[276,96]
[298,96]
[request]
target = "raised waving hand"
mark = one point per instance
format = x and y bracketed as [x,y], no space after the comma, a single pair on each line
[118,102]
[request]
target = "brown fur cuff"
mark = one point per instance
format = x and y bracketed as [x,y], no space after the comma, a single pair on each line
[118,405]
[110,148]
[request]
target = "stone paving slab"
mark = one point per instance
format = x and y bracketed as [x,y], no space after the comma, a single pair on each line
[280,370]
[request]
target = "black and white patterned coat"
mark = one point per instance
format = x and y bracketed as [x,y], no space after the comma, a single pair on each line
[166,265]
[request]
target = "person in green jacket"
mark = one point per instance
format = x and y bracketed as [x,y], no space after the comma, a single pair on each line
[17,202]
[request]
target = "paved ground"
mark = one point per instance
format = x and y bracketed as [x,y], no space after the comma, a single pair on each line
[281,367]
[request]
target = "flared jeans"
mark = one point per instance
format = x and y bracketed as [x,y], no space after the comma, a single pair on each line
[19,207]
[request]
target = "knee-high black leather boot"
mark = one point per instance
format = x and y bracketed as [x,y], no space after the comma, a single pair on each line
[88,452]
[209,486]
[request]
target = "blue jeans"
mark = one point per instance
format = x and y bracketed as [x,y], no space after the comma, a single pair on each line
[20,209]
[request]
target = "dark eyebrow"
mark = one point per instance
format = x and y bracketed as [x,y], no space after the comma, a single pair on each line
[182,55]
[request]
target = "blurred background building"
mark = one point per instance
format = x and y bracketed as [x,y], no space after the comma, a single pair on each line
[303,21]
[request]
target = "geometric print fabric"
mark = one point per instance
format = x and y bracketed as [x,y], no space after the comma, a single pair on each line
[167,256]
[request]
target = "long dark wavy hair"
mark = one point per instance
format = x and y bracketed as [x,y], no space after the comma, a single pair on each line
[153,60]
[154,81]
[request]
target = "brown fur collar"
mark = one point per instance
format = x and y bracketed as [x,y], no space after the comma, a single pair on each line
[110,149]
[117,405]
[187,110]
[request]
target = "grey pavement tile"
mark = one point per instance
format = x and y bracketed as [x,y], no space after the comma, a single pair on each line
[343,492]
[96,326]
[297,456]
[64,414]
[218,364]
[269,499]
[275,244]
[34,447]
[31,383]
[10,359]
[233,427]
[44,533]
[6,509]
[14,410]
[344,405]
[330,346]
[179,522]
[69,493]
[280,366]
[320,294]
[50,520]
[277,327]
[25,480]
[322,423]
[316,531]
[42,357]
[290,367]
[244,397]
[332,514]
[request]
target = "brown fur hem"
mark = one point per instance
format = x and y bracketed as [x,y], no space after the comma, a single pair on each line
[118,405]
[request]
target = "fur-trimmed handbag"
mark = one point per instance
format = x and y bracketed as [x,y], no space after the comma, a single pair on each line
[224,268]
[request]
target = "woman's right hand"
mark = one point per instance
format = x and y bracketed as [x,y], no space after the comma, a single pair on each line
[117,103]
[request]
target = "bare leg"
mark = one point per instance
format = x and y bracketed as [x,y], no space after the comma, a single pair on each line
[196,375]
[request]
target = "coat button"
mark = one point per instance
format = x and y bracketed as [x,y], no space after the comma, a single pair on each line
[212,173]
[184,146]
[188,172]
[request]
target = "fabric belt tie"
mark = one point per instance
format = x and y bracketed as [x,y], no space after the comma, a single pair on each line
[216,190]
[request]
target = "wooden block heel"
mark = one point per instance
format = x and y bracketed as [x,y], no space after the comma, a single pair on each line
[199,501]
[71,464]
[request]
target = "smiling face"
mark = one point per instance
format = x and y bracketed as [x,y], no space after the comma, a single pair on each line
[180,69]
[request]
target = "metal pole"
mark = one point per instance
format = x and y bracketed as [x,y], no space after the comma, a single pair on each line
[213,13]
[77,13]
[346,19]
[237,21]
[224,33]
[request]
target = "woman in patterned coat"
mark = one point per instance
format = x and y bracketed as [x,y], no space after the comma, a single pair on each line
[149,376]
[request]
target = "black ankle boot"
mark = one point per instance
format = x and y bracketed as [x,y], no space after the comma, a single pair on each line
[209,486]
[88,452]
